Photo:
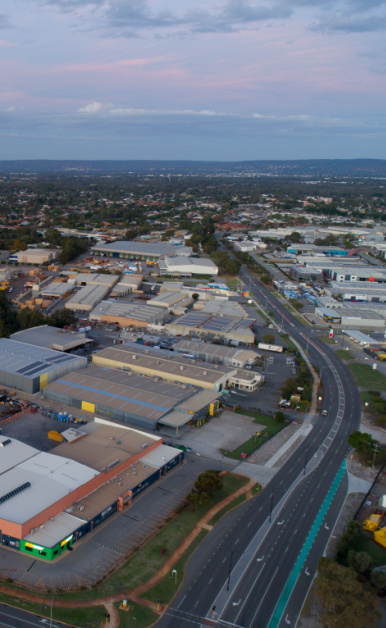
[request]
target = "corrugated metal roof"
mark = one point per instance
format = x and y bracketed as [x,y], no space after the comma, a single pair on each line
[142,248]
[160,456]
[13,453]
[55,530]
[51,478]
[22,358]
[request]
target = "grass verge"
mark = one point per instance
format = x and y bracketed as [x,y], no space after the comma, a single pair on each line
[136,615]
[344,355]
[327,340]
[365,377]
[167,588]
[89,617]
[148,559]
[377,553]
[272,427]
[236,502]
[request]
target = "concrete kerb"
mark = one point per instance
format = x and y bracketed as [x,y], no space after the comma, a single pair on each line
[134,594]
[315,376]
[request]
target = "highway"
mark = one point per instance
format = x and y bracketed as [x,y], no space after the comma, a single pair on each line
[17,618]
[254,569]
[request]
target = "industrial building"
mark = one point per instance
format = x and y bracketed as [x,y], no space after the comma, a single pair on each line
[313,249]
[127,249]
[56,289]
[37,256]
[127,314]
[221,307]
[176,302]
[51,500]
[303,273]
[175,368]
[53,338]
[351,317]
[126,285]
[93,279]
[131,398]
[358,291]
[85,299]
[187,266]
[29,369]
[217,354]
[213,327]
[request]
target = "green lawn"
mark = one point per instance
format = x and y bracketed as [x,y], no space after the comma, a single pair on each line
[167,588]
[327,340]
[145,562]
[365,377]
[255,442]
[89,617]
[345,355]
[137,615]
[236,502]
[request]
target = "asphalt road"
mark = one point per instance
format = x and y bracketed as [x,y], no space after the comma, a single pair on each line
[16,618]
[256,566]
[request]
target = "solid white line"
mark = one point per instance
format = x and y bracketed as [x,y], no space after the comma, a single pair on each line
[262,599]
[249,592]
[181,601]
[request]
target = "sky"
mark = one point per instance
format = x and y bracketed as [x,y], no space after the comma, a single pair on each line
[225,80]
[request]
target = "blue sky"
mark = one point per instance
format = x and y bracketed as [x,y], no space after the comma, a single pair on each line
[214,80]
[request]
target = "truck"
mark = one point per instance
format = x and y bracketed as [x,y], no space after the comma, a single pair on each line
[275,348]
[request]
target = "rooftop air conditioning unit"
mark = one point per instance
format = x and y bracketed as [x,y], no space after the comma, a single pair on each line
[81,508]
[181,368]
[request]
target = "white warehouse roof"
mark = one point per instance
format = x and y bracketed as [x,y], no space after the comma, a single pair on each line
[46,479]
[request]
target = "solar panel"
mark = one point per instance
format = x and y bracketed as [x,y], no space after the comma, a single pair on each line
[24,370]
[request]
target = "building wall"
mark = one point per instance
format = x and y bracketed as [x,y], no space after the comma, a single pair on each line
[123,322]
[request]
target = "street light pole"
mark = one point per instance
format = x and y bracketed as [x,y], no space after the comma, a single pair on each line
[271,505]
[305,462]
[230,570]
[52,601]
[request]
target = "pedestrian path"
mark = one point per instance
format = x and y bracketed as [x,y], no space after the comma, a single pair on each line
[303,431]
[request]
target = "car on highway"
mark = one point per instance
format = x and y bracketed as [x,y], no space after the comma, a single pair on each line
[324,412]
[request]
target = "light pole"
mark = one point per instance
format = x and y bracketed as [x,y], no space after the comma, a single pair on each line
[174,573]
[305,462]
[271,505]
[52,602]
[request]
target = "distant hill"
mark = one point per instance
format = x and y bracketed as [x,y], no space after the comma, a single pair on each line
[312,168]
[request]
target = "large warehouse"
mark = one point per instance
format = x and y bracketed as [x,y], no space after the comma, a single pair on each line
[87,298]
[123,396]
[213,327]
[127,314]
[53,338]
[217,354]
[29,368]
[187,266]
[127,249]
[175,368]
[50,500]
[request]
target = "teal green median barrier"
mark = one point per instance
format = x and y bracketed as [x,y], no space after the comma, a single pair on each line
[287,591]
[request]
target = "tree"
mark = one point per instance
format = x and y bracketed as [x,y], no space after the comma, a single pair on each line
[195,296]
[53,236]
[359,561]
[266,278]
[378,578]
[269,339]
[295,237]
[208,482]
[343,599]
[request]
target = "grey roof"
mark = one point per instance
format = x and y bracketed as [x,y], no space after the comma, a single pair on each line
[51,337]
[87,297]
[212,350]
[176,365]
[142,248]
[30,360]
[55,530]
[13,451]
[94,279]
[120,391]
[132,311]
[56,289]
[49,477]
